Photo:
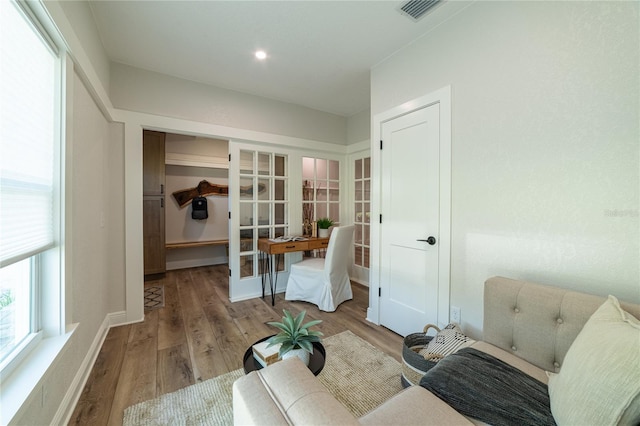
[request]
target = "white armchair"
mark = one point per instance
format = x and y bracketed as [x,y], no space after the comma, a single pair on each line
[324,282]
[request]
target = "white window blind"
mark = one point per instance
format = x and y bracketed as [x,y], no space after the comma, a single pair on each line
[27,138]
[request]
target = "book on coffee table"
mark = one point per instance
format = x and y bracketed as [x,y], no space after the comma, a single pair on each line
[266,356]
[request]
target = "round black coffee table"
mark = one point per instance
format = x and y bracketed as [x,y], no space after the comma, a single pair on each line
[316,359]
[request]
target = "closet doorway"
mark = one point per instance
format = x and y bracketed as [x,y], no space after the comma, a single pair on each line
[186,203]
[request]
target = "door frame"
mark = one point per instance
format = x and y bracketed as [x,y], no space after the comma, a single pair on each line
[443,97]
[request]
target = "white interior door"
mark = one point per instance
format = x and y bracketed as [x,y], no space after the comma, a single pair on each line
[410,206]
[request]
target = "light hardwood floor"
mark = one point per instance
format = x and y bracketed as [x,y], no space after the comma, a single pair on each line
[197,335]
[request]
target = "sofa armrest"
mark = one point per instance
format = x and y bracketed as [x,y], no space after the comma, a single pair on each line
[286,393]
[252,403]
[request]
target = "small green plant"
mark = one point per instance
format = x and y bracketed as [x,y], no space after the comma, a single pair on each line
[325,223]
[6,299]
[293,334]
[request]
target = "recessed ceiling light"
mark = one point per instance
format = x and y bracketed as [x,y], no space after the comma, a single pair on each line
[261,54]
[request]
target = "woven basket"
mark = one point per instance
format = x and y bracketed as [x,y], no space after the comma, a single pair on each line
[414,366]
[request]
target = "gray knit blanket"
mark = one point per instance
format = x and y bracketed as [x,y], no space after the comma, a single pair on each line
[481,386]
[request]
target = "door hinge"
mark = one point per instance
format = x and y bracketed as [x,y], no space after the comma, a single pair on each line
[379,291]
[229,271]
[229,157]
[380,144]
[380,218]
[229,215]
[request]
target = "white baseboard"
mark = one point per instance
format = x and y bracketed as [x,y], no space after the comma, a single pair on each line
[118,318]
[360,275]
[370,317]
[194,263]
[267,296]
[359,281]
[68,404]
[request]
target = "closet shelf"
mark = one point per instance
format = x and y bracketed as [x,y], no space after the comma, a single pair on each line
[188,244]
[176,159]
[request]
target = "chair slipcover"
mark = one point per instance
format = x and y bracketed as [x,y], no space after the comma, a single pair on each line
[324,282]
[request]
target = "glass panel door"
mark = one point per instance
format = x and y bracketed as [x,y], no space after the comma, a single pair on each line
[263,204]
[362,205]
[259,199]
[320,189]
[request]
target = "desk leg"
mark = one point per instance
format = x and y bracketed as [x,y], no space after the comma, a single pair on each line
[263,261]
[267,266]
[275,284]
[270,272]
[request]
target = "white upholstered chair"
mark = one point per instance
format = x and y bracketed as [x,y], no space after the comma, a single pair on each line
[324,282]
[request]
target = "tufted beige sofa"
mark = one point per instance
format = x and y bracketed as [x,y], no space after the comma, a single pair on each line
[527,325]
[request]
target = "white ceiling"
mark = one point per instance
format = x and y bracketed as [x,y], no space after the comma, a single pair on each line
[320,52]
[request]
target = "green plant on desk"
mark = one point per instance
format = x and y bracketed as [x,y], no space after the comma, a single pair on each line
[325,223]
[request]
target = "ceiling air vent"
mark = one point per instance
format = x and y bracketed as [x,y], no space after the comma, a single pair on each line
[415,9]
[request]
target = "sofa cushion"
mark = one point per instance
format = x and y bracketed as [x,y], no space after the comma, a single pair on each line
[414,406]
[599,382]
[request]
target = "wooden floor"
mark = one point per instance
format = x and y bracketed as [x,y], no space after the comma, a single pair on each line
[197,335]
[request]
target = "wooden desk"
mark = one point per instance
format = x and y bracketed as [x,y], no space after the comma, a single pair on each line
[268,249]
[271,247]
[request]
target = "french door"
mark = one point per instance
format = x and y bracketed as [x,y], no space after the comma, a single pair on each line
[259,208]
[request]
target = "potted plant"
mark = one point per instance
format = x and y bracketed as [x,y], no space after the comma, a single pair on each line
[324,223]
[295,338]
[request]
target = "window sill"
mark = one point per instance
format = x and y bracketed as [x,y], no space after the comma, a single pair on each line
[16,389]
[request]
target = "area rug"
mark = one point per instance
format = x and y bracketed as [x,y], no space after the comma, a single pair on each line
[359,375]
[154,297]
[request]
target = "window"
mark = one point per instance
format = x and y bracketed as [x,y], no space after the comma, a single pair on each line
[320,189]
[29,176]
[362,209]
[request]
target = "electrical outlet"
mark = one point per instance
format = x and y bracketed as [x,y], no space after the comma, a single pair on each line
[455,314]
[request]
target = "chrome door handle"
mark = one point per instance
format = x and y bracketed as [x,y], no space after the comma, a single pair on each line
[431,240]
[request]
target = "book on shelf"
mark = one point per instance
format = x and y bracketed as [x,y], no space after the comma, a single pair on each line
[288,238]
[266,356]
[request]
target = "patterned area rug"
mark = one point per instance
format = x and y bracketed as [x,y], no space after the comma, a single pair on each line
[153,297]
[360,376]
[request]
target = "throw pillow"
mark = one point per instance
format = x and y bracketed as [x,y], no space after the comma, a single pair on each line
[447,341]
[599,382]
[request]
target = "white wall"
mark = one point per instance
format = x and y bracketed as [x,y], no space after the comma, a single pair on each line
[359,127]
[545,152]
[114,217]
[79,13]
[135,89]
[96,223]
[194,145]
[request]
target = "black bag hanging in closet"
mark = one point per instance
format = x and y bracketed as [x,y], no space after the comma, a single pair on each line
[199,208]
